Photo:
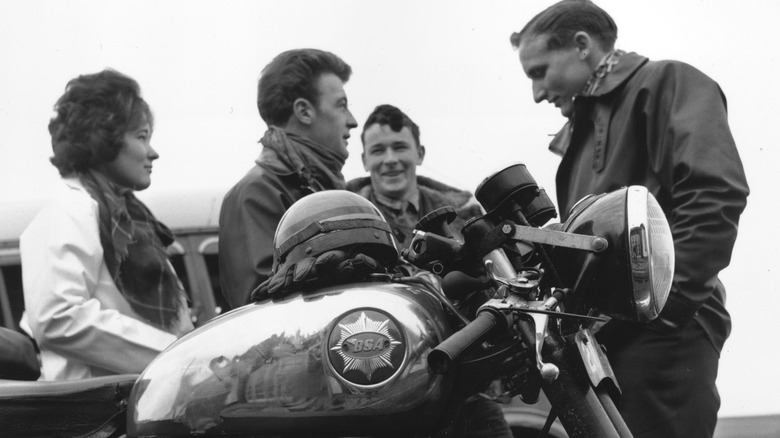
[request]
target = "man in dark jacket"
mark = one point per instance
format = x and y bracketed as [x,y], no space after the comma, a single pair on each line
[391,154]
[300,96]
[663,125]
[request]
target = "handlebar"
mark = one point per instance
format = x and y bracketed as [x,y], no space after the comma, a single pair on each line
[442,358]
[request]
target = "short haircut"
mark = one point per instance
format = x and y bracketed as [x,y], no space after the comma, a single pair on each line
[564,19]
[92,118]
[392,117]
[291,75]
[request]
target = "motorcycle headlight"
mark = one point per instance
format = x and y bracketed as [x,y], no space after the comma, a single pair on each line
[632,278]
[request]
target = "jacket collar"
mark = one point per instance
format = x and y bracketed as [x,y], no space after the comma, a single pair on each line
[426,186]
[629,63]
[74,182]
[621,72]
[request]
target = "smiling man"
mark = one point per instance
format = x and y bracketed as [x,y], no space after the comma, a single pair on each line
[662,125]
[301,98]
[391,154]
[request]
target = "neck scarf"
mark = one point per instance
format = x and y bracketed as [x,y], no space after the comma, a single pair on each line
[318,166]
[602,70]
[133,244]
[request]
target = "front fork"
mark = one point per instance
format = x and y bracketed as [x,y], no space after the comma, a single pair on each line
[576,376]
[574,370]
[582,393]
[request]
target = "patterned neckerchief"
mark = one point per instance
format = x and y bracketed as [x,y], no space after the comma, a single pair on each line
[602,70]
[318,165]
[134,244]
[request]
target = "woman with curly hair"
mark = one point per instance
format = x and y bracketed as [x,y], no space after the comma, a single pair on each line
[101,296]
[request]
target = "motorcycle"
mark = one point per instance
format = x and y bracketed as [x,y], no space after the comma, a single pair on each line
[613,257]
[398,355]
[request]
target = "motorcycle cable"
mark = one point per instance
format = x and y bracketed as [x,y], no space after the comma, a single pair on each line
[551,417]
[561,314]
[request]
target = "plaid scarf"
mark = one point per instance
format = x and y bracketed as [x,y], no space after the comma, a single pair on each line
[319,166]
[602,70]
[134,244]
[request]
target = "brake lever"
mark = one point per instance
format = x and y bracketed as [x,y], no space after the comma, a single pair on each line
[513,302]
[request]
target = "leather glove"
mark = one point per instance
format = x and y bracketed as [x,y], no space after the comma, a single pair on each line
[332,265]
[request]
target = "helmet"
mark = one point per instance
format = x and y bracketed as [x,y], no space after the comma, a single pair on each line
[330,220]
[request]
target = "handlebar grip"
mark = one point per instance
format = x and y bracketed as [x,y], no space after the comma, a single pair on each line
[442,358]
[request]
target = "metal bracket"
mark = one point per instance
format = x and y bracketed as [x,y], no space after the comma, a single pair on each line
[559,238]
[594,358]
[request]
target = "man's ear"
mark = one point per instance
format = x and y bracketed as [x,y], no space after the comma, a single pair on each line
[589,48]
[420,154]
[582,40]
[303,110]
[584,43]
[363,158]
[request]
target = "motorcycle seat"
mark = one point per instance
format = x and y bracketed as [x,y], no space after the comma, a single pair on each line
[89,407]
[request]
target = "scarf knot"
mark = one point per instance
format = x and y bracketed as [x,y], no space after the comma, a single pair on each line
[604,68]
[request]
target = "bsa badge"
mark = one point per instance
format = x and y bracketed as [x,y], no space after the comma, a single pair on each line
[366,347]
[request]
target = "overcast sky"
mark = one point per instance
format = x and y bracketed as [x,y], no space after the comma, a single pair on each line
[448,64]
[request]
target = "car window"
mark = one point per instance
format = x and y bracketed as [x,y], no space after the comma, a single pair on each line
[11,298]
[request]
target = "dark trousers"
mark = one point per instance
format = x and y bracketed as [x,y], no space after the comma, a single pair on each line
[479,418]
[667,379]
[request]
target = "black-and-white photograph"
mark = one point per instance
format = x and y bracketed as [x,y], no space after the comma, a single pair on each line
[354,218]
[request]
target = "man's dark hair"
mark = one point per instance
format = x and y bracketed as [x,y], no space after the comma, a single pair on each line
[392,117]
[291,75]
[564,19]
[92,118]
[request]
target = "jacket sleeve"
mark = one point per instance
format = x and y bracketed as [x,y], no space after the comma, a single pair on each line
[62,261]
[704,189]
[247,224]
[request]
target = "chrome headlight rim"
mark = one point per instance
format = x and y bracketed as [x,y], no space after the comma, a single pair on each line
[632,278]
[650,250]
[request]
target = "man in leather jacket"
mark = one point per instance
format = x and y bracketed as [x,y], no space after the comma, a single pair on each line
[300,96]
[663,125]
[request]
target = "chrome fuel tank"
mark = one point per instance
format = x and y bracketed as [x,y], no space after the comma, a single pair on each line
[348,359]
